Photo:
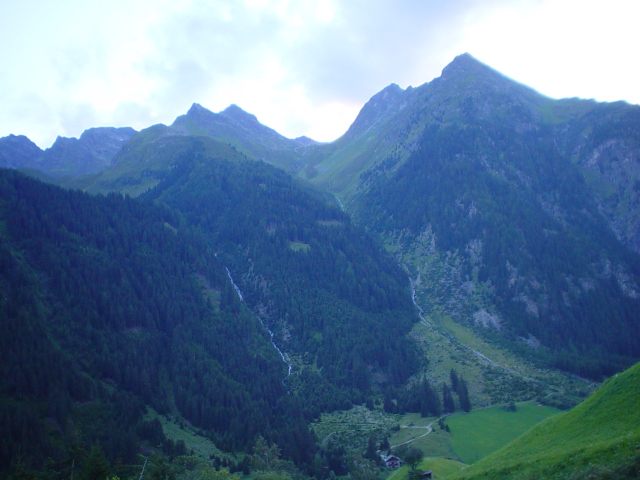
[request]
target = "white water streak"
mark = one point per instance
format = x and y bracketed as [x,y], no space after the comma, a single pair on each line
[282,355]
[234,285]
[413,299]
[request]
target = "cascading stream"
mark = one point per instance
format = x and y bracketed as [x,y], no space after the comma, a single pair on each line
[282,355]
[413,299]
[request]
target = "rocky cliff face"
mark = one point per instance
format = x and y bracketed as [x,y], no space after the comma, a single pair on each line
[605,143]
[513,211]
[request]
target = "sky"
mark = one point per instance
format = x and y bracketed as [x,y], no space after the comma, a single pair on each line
[303,67]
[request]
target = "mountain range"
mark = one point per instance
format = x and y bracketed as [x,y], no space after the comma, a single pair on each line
[246,282]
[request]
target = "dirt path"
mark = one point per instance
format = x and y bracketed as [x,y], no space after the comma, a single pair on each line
[429,430]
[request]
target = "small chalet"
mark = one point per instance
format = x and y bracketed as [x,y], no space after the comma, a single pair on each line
[391,461]
[427,474]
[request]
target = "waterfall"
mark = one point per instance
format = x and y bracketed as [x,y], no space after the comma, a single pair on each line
[282,355]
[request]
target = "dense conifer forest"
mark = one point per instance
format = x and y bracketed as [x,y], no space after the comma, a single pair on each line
[114,304]
[541,237]
[489,246]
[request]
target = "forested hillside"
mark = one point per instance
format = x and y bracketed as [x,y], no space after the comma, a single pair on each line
[242,302]
[117,304]
[491,194]
[113,304]
[528,235]
[335,301]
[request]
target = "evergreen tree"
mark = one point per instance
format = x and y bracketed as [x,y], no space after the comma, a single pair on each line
[448,404]
[96,466]
[384,444]
[371,452]
[454,380]
[463,395]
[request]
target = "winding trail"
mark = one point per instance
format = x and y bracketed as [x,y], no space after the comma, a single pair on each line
[429,430]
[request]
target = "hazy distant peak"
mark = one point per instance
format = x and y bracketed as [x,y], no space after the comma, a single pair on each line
[18,151]
[197,110]
[466,64]
[305,141]
[235,112]
[98,133]
[60,140]
[387,101]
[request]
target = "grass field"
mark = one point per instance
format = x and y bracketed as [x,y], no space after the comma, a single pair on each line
[201,446]
[479,433]
[441,468]
[598,439]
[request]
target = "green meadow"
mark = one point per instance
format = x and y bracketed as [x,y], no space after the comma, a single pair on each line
[479,433]
[441,467]
[598,439]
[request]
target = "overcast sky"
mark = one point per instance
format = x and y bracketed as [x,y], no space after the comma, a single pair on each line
[303,67]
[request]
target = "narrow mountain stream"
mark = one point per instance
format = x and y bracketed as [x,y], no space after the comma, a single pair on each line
[282,355]
[483,358]
[413,299]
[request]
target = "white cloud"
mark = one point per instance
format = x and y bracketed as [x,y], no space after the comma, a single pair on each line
[564,48]
[301,66]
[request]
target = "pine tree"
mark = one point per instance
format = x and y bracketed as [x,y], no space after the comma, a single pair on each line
[454,380]
[463,394]
[448,403]
[96,466]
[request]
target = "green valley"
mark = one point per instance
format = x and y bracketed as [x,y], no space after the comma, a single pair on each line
[212,300]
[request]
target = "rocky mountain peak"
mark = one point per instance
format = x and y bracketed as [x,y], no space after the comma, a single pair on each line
[384,103]
[234,112]
[17,151]
[198,111]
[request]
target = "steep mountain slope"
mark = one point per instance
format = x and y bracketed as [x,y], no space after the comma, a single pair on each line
[492,215]
[91,153]
[142,162]
[512,212]
[244,131]
[391,122]
[322,285]
[602,139]
[112,304]
[605,144]
[597,439]
[242,328]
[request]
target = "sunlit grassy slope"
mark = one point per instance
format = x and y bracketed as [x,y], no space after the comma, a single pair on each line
[600,438]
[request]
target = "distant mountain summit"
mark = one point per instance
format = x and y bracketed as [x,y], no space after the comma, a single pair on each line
[17,151]
[71,157]
[237,127]
[388,101]
[91,153]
